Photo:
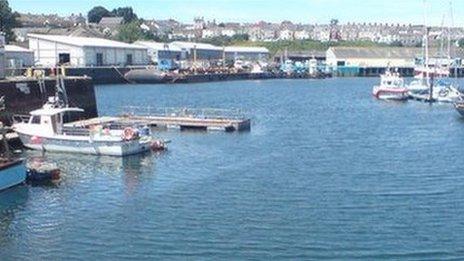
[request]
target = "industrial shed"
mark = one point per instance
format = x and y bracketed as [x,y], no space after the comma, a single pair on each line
[50,50]
[246,53]
[18,57]
[203,51]
[379,57]
[161,53]
[300,56]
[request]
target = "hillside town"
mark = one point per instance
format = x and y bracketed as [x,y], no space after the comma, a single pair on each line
[201,28]
[120,39]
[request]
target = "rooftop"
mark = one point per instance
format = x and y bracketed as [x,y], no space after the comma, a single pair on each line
[159,46]
[85,41]
[54,111]
[111,21]
[302,54]
[247,49]
[192,45]
[375,52]
[15,48]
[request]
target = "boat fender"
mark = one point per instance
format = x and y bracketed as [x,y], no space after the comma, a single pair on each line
[158,145]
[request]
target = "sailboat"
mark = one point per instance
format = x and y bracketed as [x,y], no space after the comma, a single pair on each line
[430,82]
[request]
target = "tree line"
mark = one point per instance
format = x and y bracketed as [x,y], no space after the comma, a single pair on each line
[8,20]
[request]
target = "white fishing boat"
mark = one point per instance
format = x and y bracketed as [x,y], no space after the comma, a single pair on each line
[391,87]
[44,130]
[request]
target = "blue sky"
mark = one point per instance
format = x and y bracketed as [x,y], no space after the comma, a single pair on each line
[304,11]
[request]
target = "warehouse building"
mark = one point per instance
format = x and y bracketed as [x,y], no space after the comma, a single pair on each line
[380,57]
[164,55]
[50,50]
[300,56]
[246,53]
[18,57]
[201,50]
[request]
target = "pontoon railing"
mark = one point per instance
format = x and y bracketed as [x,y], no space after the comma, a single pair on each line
[203,113]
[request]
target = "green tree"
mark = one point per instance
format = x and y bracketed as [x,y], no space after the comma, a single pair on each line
[8,20]
[97,13]
[460,43]
[130,32]
[126,13]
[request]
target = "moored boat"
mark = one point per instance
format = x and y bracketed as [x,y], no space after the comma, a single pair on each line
[12,170]
[391,87]
[44,130]
[12,173]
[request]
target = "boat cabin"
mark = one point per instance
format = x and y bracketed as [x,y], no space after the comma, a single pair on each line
[391,80]
[49,120]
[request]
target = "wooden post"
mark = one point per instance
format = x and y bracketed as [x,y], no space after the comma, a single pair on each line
[223,58]
[195,59]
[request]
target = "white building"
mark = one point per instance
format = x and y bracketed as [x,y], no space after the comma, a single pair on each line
[372,56]
[18,57]
[228,32]
[246,53]
[302,35]
[203,51]
[286,35]
[161,51]
[50,50]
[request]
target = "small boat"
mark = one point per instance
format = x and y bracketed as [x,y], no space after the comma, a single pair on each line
[12,170]
[446,92]
[443,91]
[391,87]
[12,173]
[44,130]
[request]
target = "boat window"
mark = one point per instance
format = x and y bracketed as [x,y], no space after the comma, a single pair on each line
[35,120]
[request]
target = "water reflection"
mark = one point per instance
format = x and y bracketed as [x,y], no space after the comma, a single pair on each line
[75,167]
[11,202]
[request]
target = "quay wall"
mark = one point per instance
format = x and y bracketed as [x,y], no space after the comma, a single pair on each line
[115,75]
[23,95]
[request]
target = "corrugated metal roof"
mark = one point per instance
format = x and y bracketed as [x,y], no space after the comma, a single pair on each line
[191,45]
[15,48]
[159,46]
[376,52]
[246,49]
[85,41]
[302,54]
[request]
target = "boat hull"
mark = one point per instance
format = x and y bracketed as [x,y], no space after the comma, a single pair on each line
[94,147]
[12,174]
[390,93]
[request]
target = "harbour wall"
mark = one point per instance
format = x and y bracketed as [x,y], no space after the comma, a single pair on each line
[23,95]
[115,75]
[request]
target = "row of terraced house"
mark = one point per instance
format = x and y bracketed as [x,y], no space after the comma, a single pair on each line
[388,33]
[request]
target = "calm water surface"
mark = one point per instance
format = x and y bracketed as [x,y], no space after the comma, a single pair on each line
[325,172]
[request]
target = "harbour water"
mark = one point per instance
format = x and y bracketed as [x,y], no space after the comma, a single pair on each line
[326,171]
